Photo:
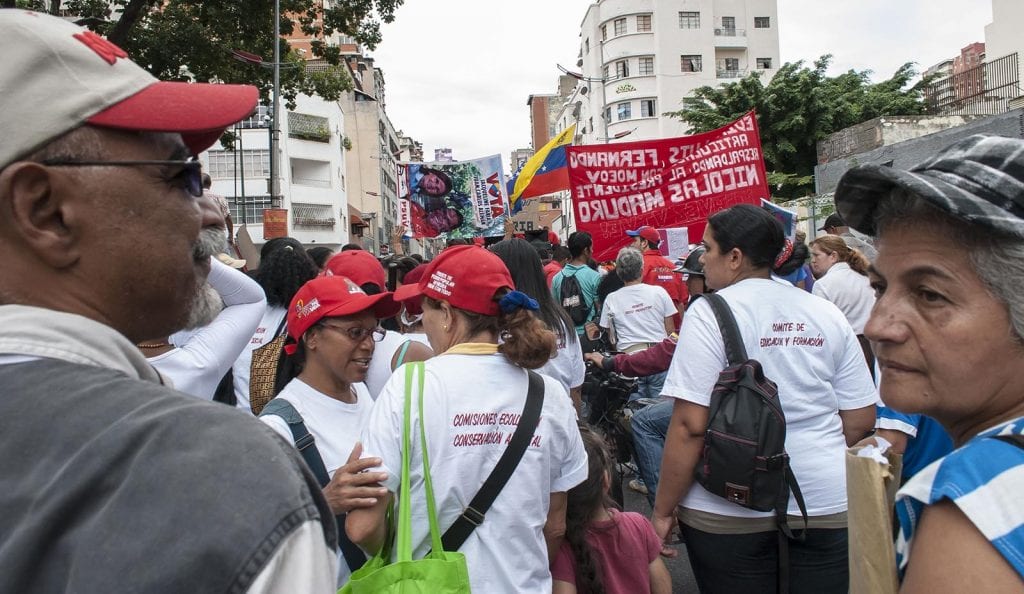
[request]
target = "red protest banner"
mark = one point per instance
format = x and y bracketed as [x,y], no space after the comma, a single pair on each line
[672,182]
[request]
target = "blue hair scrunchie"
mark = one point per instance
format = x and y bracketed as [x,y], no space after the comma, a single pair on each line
[514,300]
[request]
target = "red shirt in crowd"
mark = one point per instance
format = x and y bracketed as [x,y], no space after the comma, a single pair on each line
[550,270]
[659,271]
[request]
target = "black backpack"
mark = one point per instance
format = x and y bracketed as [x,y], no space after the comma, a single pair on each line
[744,457]
[571,296]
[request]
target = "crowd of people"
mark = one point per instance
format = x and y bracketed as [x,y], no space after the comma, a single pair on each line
[174,424]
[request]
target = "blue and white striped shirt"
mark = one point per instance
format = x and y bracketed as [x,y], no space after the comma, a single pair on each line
[984,478]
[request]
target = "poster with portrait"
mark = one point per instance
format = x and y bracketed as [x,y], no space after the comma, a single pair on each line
[453,200]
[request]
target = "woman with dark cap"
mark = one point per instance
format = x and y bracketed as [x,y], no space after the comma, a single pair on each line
[487,336]
[947,331]
[808,349]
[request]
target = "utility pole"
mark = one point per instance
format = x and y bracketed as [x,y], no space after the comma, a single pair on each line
[275,127]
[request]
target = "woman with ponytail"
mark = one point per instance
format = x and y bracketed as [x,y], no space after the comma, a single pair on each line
[487,335]
[806,347]
[606,551]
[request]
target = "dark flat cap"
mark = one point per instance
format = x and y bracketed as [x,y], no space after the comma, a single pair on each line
[979,179]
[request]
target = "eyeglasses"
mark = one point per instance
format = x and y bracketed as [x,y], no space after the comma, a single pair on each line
[191,173]
[358,333]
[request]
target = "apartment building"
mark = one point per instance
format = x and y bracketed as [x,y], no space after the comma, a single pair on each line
[639,58]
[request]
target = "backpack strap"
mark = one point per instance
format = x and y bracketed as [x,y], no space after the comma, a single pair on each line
[474,513]
[304,440]
[734,350]
[306,444]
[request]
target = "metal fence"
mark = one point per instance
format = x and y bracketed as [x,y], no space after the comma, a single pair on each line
[985,89]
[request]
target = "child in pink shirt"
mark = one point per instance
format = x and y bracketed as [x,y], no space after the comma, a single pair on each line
[606,550]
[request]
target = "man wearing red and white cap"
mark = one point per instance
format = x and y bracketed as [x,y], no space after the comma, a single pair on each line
[113,482]
[659,271]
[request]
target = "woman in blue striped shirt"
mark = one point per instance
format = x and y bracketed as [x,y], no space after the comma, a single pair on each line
[947,330]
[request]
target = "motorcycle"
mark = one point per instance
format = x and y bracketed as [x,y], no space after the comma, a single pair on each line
[608,411]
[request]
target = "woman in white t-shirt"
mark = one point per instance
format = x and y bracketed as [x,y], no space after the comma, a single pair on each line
[334,326]
[567,364]
[808,349]
[284,268]
[842,274]
[394,349]
[474,393]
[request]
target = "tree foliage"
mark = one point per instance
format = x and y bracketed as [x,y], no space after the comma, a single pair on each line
[798,107]
[202,39]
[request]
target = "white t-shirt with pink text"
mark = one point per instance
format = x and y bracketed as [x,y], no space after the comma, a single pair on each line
[472,405]
[805,346]
[638,313]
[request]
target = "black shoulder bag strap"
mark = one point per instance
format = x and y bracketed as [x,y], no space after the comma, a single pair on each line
[306,444]
[474,514]
[736,354]
[734,350]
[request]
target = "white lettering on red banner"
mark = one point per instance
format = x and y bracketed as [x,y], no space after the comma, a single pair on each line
[675,182]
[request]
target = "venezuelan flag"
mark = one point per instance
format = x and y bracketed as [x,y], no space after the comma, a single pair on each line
[544,173]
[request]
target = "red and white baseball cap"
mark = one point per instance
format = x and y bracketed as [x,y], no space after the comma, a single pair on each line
[359,265]
[647,233]
[332,296]
[58,76]
[465,276]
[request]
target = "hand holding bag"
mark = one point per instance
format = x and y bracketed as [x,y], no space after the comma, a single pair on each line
[439,572]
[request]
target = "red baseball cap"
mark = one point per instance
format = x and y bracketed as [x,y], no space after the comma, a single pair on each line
[648,233]
[88,79]
[332,296]
[465,276]
[359,265]
[414,305]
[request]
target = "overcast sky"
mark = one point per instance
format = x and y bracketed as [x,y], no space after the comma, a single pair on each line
[458,72]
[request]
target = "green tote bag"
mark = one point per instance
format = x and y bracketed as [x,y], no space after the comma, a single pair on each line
[439,572]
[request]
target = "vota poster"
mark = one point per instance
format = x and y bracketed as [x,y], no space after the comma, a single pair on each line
[453,200]
[665,183]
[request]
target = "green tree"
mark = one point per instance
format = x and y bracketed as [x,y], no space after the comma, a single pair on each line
[206,39]
[800,106]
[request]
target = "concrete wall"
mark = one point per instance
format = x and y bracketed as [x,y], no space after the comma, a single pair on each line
[904,155]
[883,131]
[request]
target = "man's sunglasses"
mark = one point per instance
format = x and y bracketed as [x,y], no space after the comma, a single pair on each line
[191,168]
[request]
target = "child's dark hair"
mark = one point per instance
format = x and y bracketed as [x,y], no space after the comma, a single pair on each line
[585,500]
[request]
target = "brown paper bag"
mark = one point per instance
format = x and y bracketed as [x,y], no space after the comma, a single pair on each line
[871,491]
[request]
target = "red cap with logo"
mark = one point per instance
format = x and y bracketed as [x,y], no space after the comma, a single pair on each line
[359,265]
[647,233]
[332,296]
[465,276]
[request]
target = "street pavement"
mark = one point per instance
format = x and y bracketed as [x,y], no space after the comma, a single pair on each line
[682,575]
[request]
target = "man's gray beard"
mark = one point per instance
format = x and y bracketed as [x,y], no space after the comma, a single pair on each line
[211,241]
[206,303]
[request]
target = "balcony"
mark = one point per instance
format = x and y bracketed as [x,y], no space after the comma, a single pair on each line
[730,38]
[727,73]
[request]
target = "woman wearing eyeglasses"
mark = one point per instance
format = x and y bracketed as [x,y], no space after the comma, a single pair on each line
[333,324]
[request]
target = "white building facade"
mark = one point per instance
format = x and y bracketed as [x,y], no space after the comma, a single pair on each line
[311,173]
[641,57]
